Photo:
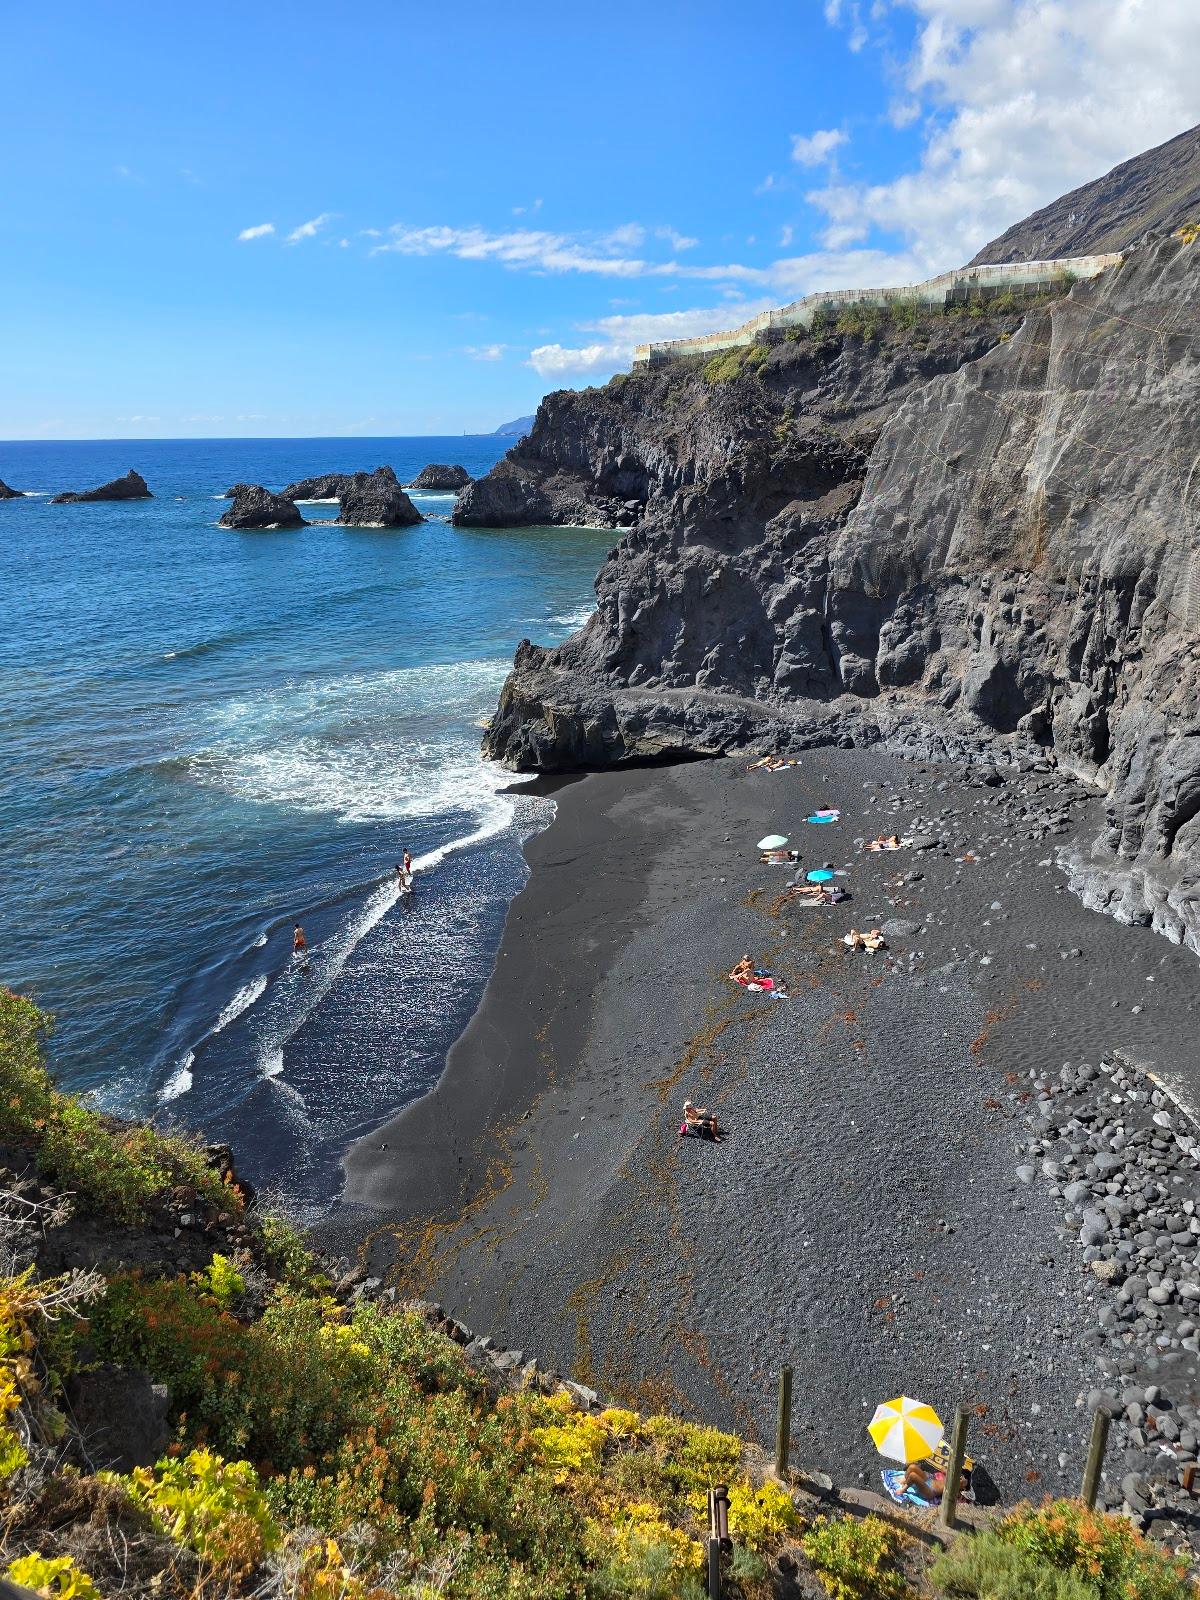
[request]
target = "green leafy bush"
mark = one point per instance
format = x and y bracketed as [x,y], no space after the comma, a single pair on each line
[1106,1553]
[214,1507]
[57,1577]
[985,1568]
[857,1560]
[117,1168]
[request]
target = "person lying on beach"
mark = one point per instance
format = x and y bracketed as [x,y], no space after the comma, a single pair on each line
[871,940]
[817,894]
[891,841]
[928,1479]
[772,763]
[779,858]
[699,1123]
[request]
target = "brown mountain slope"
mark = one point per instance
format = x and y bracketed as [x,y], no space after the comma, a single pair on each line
[1158,189]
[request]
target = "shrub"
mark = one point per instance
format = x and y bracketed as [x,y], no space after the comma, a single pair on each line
[856,1560]
[985,1568]
[640,1553]
[214,1507]
[1106,1553]
[56,1577]
[220,1282]
[903,313]
[1188,233]
[759,1517]
[117,1168]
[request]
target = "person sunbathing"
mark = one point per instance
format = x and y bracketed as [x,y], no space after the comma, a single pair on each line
[891,841]
[744,971]
[871,940]
[699,1123]
[779,858]
[928,1479]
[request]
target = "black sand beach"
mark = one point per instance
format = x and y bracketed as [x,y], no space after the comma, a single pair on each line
[864,1220]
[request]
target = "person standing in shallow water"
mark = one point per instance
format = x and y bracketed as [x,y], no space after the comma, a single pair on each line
[299,942]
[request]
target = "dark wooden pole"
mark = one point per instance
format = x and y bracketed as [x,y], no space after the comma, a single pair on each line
[958,1449]
[783,1430]
[1095,1459]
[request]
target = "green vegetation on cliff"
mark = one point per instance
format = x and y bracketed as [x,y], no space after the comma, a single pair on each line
[319,1450]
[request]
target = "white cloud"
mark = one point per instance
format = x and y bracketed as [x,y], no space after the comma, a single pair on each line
[485,352]
[259,232]
[810,149]
[1031,98]
[785,235]
[308,230]
[555,361]
[534,250]
[677,241]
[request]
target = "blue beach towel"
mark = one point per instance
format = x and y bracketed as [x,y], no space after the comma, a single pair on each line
[831,817]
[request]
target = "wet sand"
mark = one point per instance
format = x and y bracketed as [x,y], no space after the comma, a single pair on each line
[863,1221]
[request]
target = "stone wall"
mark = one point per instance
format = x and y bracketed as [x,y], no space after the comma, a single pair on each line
[948,288]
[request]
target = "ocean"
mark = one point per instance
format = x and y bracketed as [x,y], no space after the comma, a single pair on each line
[208,736]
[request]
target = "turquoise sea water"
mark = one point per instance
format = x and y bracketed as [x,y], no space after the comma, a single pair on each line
[208,735]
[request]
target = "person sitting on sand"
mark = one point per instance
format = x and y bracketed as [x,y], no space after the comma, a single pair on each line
[699,1123]
[744,971]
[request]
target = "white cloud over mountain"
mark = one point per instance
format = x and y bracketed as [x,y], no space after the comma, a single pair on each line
[1025,99]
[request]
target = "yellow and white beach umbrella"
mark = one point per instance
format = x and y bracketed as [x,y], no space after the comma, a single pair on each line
[905,1430]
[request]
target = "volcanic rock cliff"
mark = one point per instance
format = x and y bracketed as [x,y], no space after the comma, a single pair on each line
[974,536]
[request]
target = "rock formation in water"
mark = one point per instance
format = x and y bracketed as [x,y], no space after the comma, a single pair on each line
[975,535]
[436,476]
[365,499]
[375,500]
[10,494]
[256,507]
[131,487]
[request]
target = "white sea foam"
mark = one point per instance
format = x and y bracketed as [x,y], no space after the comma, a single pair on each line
[383,747]
[259,942]
[327,500]
[180,1080]
[573,619]
[242,1001]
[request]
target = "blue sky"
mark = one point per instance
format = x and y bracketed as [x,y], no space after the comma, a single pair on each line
[268,219]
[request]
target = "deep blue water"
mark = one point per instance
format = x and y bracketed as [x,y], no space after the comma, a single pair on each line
[208,735]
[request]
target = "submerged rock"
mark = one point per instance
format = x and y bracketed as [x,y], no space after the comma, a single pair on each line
[10,494]
[435,476]
[256,507]
[131,487]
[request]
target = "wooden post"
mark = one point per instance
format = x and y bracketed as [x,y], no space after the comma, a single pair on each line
[1095,1459]
[714,1548]
[958,1449]
[783,1430]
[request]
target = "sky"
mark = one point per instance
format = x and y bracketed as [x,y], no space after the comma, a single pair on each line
[258,219]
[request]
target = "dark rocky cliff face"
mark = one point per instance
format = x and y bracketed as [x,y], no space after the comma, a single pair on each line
[948,538]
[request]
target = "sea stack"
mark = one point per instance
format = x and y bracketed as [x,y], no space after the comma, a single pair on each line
[436,476]
[131,487]
[256,507]
[375,500]
[10,494]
